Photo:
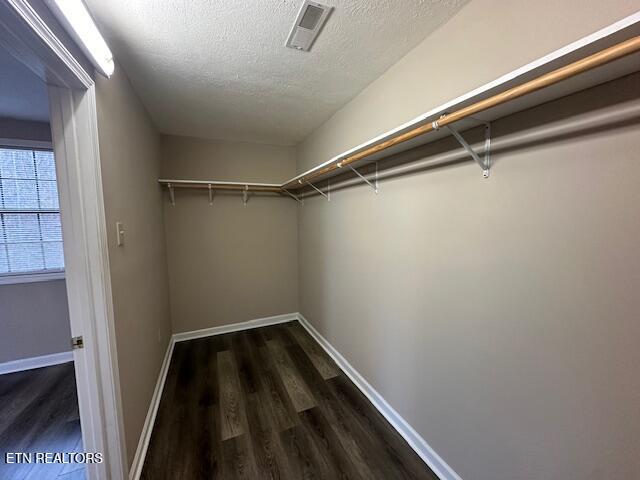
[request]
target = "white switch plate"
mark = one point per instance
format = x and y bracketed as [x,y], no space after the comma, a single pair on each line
[120,233]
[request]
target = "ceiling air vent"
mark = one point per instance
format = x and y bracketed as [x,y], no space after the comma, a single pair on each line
[311,18]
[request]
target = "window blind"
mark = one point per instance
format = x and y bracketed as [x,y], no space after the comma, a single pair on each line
[30,231]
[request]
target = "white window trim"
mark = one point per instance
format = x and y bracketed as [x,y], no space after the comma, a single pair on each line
[31,277]
[14,278]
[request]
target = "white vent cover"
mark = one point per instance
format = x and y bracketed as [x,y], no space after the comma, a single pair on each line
[311,18]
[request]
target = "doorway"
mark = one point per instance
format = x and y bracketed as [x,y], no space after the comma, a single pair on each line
[39,415]
[33,37]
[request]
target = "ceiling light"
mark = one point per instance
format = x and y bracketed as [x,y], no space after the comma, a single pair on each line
[307,26]
[77,21]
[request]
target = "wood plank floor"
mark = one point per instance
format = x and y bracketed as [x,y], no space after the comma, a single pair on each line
[39,413]
[268,403]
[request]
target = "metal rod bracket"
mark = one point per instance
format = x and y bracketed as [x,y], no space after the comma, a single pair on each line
[172,196]
[210,195]
[295,197]
[318,190]
[484,163]
[245,195]
[374,185]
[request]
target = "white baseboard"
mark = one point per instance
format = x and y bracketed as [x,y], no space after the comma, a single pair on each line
[35,362]
[147,428]
[413,438]
[417,443]
[234,327]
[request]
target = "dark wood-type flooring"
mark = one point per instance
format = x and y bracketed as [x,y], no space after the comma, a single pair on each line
[269,403]
[39,413]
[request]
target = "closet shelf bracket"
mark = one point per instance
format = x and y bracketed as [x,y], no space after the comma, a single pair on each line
[245,195]
[172,195]
[325,195]
[484,163]
[373,185]
[295,197]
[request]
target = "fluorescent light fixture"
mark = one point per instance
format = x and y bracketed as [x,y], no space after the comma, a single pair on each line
[76,19]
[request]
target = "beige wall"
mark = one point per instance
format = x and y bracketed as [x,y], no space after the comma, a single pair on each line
[24,130]
[228,262]
[499,316]
[130,160]
[34,320]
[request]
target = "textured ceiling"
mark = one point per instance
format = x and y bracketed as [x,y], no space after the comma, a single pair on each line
[219,69]
[22,94]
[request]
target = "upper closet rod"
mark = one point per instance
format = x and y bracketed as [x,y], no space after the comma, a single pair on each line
[592,61]
[221,185]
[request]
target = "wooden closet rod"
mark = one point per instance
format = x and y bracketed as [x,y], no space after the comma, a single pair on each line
[251,188]
[220,185]
[603,57]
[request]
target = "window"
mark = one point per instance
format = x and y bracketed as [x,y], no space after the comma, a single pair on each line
[30,232]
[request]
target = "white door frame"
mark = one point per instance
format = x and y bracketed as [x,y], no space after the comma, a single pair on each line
[75,144]
[74,131]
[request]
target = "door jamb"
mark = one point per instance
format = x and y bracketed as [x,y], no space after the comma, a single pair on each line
[75,139]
